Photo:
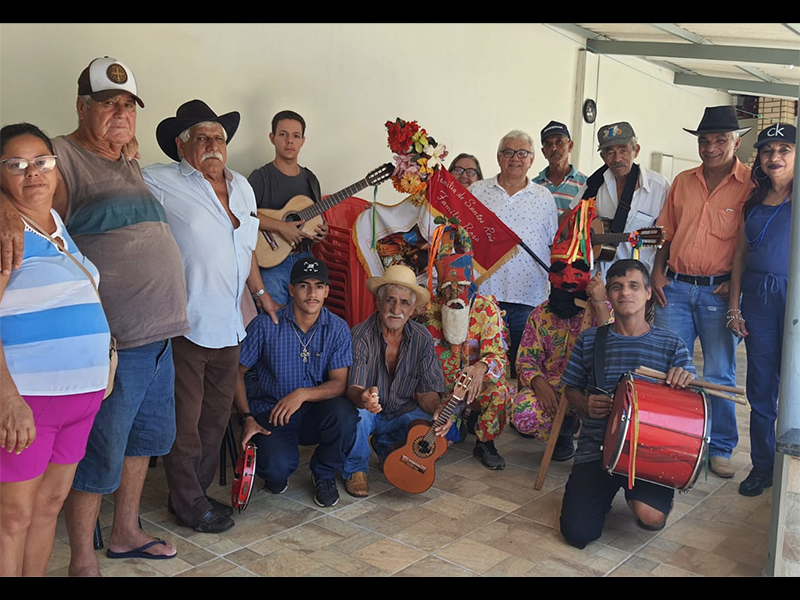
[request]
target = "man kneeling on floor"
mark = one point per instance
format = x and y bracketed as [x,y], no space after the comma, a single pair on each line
[630,343]
[396,377]
[301,365]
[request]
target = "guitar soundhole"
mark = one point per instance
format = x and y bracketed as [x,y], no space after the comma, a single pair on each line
[422,448]
[292,217]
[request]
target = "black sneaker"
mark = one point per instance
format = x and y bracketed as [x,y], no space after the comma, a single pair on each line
[487,454]
[756,482]
[326,494]
[211,522]
[565,448]
[274,487]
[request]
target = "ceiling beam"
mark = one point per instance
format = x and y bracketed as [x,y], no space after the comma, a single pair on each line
[741,54]
[677,31]
[793,27]
[755,88]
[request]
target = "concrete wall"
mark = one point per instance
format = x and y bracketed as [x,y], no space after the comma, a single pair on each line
[467,84]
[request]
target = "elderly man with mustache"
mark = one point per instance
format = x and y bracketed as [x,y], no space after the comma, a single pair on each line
[395,377]
[211,212]
[630,195]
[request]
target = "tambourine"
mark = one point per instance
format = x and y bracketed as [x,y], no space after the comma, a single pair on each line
[243,477]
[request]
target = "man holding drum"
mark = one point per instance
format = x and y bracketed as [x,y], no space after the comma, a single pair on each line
[630,343]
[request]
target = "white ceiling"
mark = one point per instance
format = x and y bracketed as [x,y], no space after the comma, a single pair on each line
[759,59]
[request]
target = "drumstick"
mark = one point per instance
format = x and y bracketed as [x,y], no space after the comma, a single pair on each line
[648,372]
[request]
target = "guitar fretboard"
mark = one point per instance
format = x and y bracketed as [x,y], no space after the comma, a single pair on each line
[320,207]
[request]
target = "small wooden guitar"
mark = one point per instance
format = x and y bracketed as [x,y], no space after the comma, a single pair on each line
[272,249]
[604,244]
[410,467]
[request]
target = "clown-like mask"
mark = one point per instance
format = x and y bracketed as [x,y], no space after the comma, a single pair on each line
[572,277]
[456,290]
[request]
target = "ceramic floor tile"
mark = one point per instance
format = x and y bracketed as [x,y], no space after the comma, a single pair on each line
[472,555]
[388,555]
[431,566]
[701,562]
[472,522]
[284,563]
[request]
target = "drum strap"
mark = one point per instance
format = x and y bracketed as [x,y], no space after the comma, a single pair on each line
[634,435]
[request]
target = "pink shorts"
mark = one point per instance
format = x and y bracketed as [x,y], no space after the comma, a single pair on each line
[62,428]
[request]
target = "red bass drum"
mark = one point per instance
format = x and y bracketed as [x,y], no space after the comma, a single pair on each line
[671,437]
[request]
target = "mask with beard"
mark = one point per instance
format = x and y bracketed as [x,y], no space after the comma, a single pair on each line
[455,292]
[562,304]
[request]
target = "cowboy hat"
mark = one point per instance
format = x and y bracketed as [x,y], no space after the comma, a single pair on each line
[718,119]
[404,277]
[189,114]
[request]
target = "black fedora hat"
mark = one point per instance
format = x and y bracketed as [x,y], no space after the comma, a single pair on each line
[188,114]
[718,119]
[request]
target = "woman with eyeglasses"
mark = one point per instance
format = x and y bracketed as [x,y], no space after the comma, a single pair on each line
[466,168]
[759,274]
[54,358]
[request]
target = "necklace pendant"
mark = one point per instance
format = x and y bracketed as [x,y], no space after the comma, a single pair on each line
[304,355]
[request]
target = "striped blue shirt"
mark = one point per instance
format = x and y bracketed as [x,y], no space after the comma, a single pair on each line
[565,192]
[55,334]
[658,349]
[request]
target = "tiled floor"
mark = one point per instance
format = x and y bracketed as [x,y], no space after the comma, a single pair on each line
[473,522]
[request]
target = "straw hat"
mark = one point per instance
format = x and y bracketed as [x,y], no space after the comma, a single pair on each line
[404,277]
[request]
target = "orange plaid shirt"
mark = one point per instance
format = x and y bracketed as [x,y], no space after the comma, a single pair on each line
[703,228]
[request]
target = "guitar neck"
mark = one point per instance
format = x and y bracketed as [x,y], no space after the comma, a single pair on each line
[610,238]
[447,411]
[318,208]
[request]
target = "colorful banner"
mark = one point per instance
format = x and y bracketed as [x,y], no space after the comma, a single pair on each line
[493,243]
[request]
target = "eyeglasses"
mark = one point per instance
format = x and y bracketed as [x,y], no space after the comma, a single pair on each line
[460,170]
[523,154]
[18,166]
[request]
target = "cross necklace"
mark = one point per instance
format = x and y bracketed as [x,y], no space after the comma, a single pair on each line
[305,353]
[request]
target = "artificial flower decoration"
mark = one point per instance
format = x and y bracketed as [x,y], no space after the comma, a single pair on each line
[417,156]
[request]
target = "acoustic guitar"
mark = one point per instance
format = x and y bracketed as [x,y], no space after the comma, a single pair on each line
[604,243]
[410,467]
[272,249]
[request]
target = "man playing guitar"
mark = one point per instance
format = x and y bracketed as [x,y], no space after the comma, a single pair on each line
[274,185]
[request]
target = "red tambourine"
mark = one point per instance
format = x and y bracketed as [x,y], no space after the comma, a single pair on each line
[243,477]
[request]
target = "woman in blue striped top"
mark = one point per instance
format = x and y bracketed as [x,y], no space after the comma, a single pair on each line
[54,341]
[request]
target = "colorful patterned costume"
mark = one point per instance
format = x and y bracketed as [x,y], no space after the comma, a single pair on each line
[544,351]
[486,342]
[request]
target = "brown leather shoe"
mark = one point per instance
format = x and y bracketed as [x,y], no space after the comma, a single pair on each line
[357,485]
[721,467]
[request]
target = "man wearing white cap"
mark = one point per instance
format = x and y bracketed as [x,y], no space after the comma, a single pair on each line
[118,224]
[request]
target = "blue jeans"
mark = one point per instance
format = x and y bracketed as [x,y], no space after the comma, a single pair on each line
[516,318]
[693,311]
[276,279]
[331,424]
[387,433]
[137,419]
[764,308]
